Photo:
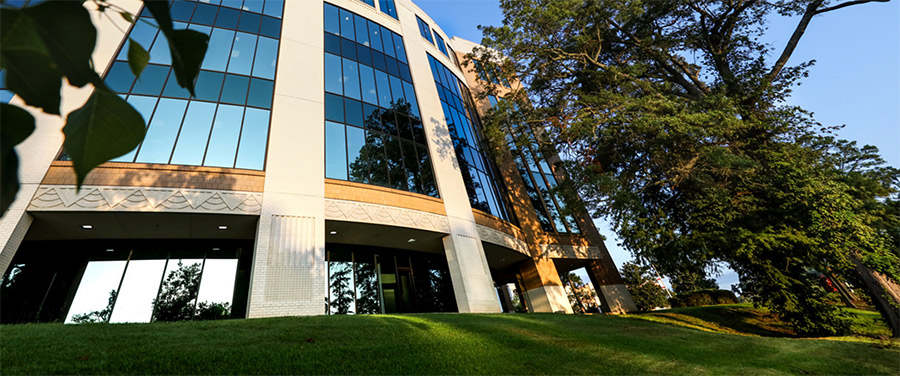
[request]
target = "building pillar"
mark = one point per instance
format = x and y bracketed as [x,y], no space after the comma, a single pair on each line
[506,303]
[470,275]
[614,296]
[543,288]
[288,276]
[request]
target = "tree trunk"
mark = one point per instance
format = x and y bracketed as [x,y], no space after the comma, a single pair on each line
[842,289]
[884,292]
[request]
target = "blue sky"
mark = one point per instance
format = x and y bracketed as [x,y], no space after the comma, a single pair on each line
[855,81]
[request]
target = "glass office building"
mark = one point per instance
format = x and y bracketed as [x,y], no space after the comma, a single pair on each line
[332,161]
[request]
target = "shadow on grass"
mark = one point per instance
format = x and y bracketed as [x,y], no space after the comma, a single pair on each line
[735,319]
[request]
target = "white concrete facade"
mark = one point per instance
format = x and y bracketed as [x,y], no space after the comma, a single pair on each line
[289,272]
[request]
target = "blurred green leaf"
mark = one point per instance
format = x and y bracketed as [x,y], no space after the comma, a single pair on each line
[16,125]
[188,47]
[138,57]
[31,72]
[104,128]
[69,35]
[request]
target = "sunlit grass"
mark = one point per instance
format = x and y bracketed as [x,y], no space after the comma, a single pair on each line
[432,344]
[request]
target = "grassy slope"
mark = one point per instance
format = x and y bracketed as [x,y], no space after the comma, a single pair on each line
[425,344]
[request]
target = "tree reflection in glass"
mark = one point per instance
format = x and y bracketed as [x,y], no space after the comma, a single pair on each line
[178,293]
[96,293]
[367,300]
[341,287]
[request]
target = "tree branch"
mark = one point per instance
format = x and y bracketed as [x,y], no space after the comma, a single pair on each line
[792,43]
[847,4]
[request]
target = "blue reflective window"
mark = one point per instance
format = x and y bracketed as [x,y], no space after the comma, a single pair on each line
[378,60]
[370,2]
[242,52]
[254,137]
[362,31]
[348,48]
[384,89]
[271,27]
[353,112]
[367,80]
[255,6]
[159,52]
[424,30]
[194,134]
[6,96]
[388,7]
[219,50]
[334,107]
[334,79]
[375,36]
[347,28]
[440,43]
[182,10]
[205,14]
[333,44]
[392,66]
[274,8]
[260,94]
[228,18]
[398,46]
[364,54]
[396,89]
[249,22]
[224,138]
[143,33]
[388,42]
[209,85]
[235,89]
[143,105]
[356,141]
[266,58]
[335,151]
[172,88]
[233,3]
[351,79]
[119,78]
[151,81]
[160,138]
[332,19]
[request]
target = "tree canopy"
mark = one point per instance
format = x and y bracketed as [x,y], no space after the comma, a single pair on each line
[672,116]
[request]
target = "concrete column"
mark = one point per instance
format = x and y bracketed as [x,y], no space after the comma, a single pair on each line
[289,272]
[469,272]
[505,299]
[614,296]
[543,288]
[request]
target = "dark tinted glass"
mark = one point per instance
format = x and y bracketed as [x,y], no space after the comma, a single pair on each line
[249,22]
[334,108]
[271,27]
[120,77]
[235,89]
[151,80]
[182,10]
[205,14]
[208,86]
[228,18]
[260,94]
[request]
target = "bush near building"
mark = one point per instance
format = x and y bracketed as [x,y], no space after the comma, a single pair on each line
[703,298]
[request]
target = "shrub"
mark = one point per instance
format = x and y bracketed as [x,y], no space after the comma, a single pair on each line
[703,298]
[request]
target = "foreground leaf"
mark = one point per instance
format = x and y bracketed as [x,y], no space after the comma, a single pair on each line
[188,47]
[16,125]
[104,128]
[138,57]
[70,36]
[31,72]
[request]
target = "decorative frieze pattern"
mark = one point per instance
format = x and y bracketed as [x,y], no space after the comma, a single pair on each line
[570,251]
[354,211]
[502,239]
[103,198]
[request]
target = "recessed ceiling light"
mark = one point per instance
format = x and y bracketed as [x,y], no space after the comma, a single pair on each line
[215,249]
[223,227]
[333,232]
[87,227]
[110,250]
[411,240]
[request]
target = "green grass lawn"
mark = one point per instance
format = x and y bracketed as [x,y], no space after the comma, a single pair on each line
[438,344]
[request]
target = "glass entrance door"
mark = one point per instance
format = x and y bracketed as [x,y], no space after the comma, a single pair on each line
[406,299]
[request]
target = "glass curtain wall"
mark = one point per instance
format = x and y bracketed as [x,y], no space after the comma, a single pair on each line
[479,175]
[540,183]
[227,123]
[371,281]
[125,281]
[373,129]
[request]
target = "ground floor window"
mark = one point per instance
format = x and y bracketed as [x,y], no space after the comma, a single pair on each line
[141,281]
[365,280]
